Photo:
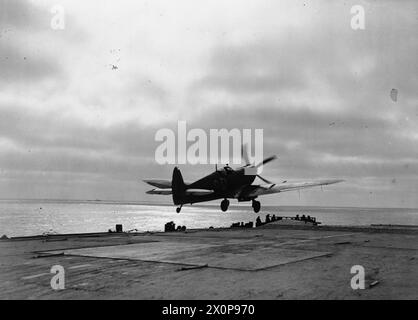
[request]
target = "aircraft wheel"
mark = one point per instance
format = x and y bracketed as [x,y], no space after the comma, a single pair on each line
[178,209]
[256,206]
[224,205]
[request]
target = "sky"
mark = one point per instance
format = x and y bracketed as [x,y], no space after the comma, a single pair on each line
[80,106]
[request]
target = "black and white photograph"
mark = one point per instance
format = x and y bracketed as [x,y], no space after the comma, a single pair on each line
[216,151]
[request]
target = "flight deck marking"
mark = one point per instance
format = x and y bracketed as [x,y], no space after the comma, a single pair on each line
[34,276]
[115,261]
[313,239]
[181,253]
[332,236]
[80,266]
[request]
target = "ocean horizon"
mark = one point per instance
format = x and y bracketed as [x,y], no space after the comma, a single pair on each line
[26,217]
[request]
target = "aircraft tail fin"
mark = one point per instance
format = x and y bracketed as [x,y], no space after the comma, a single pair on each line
[178,186]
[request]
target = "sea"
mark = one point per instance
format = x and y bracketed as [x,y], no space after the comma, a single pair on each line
[35,217]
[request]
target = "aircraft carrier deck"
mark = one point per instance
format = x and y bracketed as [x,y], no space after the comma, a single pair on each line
[270,262]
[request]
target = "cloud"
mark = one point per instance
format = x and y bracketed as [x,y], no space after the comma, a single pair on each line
[21,14]
[23,27]
[18,66]
[76,127]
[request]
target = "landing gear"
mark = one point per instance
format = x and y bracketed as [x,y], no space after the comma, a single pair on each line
[256,206]
[224,205]
[178,209]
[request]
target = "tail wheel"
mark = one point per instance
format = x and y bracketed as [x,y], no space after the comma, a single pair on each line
[224,205]
[178,209]
[256,206]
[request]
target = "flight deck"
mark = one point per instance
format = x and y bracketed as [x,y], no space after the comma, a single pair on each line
[275,261]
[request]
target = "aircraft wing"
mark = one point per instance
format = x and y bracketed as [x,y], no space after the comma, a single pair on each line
[188,192]
[159,183]
[287,186]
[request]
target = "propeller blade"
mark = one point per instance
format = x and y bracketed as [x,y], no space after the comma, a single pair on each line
[267,160]
[265,180]
[244,155]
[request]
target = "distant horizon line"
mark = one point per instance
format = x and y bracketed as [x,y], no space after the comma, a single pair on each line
[196,205]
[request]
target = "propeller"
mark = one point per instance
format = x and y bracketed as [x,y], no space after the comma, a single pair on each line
[244,155]
[265,180]
[266,160]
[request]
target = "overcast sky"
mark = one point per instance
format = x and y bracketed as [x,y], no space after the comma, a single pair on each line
[79,107]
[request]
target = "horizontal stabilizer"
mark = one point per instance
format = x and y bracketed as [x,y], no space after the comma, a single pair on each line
[188,192]
[159,183]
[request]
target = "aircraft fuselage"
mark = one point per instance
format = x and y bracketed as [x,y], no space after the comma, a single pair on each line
[225,183]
